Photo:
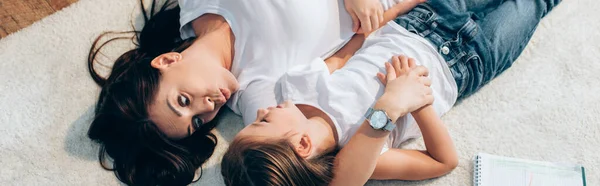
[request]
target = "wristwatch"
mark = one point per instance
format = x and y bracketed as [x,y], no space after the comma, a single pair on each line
[379,120]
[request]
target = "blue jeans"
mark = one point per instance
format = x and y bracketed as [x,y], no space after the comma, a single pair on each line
[479,39]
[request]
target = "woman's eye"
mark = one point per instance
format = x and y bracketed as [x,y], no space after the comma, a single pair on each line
[183,101]
[197,122]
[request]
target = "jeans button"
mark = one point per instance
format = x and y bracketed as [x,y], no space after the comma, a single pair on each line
[445,50]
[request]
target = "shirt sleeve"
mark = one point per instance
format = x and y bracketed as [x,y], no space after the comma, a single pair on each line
[304,83]
[190,10]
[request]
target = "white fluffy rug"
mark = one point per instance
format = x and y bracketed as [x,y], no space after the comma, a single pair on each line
[544,108]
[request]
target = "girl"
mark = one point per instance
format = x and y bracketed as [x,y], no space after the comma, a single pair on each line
[464,45]
[157,107]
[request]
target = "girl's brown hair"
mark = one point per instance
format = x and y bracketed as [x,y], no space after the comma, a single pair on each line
[141,154]
[250,162]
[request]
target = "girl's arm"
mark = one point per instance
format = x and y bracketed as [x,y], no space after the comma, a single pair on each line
[439,159]
[408,91]
[339,59]
[355,163]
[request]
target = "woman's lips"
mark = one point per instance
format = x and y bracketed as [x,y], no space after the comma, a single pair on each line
[225,93]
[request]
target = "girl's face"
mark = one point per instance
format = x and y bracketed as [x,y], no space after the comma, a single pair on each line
[283,121]
[190,94]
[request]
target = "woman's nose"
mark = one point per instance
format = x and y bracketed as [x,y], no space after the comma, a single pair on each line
[209,103]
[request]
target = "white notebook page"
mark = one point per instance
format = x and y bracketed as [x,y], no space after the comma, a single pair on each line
[503,171]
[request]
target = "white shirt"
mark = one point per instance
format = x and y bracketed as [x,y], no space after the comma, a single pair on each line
[347,94]
[272,36]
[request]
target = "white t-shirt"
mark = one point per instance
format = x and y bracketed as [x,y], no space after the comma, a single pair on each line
[347,94]
[271,37]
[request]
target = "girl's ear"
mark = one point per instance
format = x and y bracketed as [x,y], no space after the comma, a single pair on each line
[303,146]
[165,60]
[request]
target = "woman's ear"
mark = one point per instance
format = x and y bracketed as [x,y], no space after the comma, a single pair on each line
[304,146]
[165,60]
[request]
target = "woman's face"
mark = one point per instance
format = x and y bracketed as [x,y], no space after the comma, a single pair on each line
[285,120]
[190,93]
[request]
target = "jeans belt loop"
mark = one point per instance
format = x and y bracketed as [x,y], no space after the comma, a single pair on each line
[468,31]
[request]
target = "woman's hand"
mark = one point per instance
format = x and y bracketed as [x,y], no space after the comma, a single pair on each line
[407,87]
[366,14]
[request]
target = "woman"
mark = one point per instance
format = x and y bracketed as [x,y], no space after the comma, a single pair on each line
[463,45]
[157,107]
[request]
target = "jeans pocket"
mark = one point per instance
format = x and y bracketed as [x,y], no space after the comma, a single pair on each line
[471,77]
[461,75]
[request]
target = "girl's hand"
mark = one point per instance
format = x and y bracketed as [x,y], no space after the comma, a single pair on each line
[407,87]
[366,14]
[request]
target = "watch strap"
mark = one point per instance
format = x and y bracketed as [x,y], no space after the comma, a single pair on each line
[389,126]
[369,112]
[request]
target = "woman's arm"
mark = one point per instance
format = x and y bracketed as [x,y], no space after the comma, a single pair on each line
[404,93]
[339,59]
[439,159]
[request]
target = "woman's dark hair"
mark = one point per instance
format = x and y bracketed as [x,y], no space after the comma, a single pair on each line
[273,163]
[141,154]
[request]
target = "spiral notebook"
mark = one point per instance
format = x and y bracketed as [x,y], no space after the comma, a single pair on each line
[492,170]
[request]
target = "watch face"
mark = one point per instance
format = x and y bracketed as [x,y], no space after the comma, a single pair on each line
[378,119]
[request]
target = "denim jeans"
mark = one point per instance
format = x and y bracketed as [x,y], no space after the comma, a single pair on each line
[479,39]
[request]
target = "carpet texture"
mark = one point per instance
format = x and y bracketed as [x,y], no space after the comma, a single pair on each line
[544,108]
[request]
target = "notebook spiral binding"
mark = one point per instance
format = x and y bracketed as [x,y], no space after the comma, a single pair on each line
[477,171]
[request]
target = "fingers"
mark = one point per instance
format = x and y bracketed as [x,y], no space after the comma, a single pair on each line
[411,63]
[378,14]
[360,31]
[396,64]
[366,15]
[425,80]
[374,21]
[365,23]
[381,78]
[381,16]
[404,62]
[420,71]
[355,21]
[428,91]
[391,72]
[427,96]
[428,99]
